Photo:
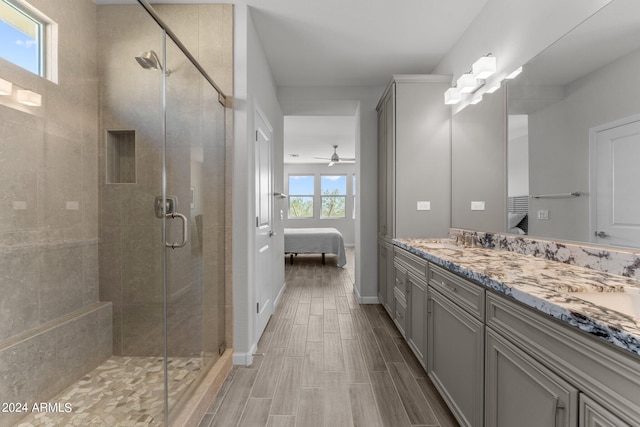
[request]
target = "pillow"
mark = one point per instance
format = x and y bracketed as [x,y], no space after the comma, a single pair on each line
[514,219]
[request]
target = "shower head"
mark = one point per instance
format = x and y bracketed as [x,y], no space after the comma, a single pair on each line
[149,60]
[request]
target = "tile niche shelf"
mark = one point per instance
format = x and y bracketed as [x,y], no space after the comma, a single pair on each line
[121,157]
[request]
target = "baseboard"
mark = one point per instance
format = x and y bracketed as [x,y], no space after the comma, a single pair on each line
[276,301]
[364,300]
[245,359]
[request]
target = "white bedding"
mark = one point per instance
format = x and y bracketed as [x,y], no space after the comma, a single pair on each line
[315,240]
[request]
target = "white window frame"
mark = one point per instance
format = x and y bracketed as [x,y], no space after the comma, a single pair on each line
[291,197]
[47,39]
[343,196]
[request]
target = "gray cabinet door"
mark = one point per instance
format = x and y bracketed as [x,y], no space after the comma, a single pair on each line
[417,328]
[522,392]
[386,140]
[390,280]
[592,414]
[382,275]
[455,361]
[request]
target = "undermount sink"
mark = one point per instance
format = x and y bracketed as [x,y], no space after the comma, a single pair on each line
[626,301]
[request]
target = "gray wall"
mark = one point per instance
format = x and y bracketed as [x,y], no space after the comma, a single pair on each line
[346,226]
[479,164]
[423,159]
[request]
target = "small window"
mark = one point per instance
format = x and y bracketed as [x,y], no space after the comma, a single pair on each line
[301,190]
[333,195]
[22,37]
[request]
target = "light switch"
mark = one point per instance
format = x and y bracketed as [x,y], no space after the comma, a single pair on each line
[424,206]
[543,214]
[477,206]
[20,205]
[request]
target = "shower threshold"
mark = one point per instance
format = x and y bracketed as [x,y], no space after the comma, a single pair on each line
[123,391]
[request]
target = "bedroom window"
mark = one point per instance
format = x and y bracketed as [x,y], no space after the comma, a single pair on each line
[333,196]
[301,190]
[22,37]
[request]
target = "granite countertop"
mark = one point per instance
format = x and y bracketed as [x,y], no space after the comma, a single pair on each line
[548,286]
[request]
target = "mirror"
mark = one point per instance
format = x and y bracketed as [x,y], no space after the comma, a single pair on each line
[574,134]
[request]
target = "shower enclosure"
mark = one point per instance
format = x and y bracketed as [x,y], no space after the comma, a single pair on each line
[134,285]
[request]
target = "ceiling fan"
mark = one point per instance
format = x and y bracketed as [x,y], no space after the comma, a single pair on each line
[336,159]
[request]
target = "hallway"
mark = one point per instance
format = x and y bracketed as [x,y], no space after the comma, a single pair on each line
[324,360]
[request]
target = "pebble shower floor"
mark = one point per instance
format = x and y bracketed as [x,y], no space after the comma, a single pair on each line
[123,391]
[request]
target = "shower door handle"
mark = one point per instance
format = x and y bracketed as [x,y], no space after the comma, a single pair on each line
[185,231]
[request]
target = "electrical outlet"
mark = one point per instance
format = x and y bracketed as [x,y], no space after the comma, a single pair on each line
[424,206]
[543,214]
[477,206]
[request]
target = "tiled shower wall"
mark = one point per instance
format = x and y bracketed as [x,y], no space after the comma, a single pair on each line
[52,327]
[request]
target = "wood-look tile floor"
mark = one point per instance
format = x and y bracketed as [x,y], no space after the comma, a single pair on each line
[325,360]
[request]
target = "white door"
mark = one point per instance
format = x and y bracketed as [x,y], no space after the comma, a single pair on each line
[617,189]
[264,196]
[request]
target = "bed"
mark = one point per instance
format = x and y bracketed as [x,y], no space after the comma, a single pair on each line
[314,241]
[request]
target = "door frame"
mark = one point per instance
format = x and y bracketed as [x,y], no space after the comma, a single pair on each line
[593,167]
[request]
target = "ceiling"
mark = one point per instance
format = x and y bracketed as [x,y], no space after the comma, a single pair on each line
[357,42]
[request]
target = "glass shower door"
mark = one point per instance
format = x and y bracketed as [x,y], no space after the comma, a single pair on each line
[194,252]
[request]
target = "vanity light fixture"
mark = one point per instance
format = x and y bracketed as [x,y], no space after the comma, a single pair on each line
[494,87]
[485,67]
[467,83]
[514,74]
[476,98]
[6,87]
[28,97]
[452,96]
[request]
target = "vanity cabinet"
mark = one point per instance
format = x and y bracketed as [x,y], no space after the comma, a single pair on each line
[455,344]
[522,392]
[525,344]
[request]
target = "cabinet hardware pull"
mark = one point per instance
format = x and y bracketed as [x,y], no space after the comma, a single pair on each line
[558,407]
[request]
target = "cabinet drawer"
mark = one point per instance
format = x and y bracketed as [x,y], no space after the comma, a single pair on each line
[413,262]
[400,314]
[400,278]
[464,293]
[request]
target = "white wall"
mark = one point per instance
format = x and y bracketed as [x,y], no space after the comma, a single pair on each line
[347,225]
[559,144]
[362,102]
[515,31]
[253,87]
